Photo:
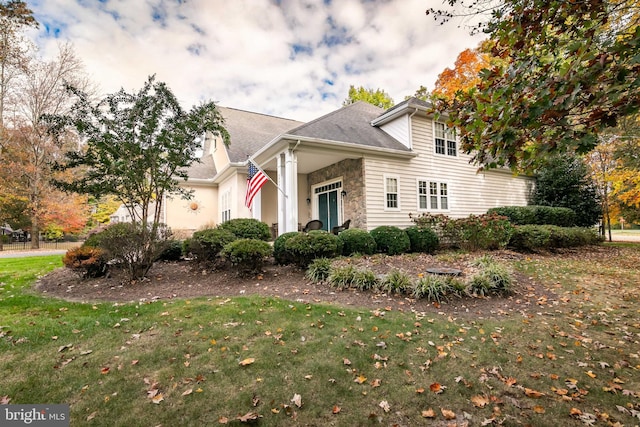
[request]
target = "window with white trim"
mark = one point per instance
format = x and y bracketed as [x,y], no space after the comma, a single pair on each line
[391,193]
[445,140]
[225,204]
[423,202]
[433,195]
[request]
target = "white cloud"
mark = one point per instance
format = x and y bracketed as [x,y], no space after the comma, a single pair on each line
[290,58]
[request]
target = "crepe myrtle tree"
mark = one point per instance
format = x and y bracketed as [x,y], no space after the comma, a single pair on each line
[136,147]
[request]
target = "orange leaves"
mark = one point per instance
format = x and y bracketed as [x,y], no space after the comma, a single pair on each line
[464,75]
[533,393]
[480,401]
[247,361]
[360,379]
[437,388]
[447,414]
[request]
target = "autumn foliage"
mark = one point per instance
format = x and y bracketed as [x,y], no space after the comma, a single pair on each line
[464,75]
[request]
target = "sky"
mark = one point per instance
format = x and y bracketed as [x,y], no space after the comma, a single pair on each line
[288,58]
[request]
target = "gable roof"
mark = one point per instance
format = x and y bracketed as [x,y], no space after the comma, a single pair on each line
[250,131]
[350,124]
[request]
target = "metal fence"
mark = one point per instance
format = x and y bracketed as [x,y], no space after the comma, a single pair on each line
[44,244]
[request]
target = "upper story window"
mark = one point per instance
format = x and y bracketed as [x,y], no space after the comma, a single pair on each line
[391,193]
[445,140]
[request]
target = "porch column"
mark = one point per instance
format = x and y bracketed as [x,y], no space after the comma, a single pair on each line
[256,207]
[287,164]
[291,170]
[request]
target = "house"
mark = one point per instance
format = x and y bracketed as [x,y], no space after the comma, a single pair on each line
[360,162]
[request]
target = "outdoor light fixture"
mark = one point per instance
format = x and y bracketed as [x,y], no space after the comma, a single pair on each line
[343,193]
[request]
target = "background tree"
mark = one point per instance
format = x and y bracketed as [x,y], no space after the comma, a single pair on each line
[565,182]
[377,97]
[15,16]
[601,162]
[29,150]
[567,71]
[465,74]
[421,93]
[625,178]
[138,147]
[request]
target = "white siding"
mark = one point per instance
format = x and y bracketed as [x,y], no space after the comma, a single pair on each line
[469,192]
[399,129]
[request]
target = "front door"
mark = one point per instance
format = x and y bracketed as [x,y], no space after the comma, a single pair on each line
[328,205]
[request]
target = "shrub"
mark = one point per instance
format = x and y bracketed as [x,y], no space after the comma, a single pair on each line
[206,245]
[172,251]
[422,239]
[391,240]
[89,261]
[93,240]
[357,241]
[247,228]
[487,231]
[493,278]
[537,215]
[319,270]
[247,255]
[529,238]
[305,247]
[281,255]
[396,282]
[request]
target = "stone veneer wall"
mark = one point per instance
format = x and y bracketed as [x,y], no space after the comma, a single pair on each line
[352,174]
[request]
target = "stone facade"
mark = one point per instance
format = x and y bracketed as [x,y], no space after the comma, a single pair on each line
[353,202]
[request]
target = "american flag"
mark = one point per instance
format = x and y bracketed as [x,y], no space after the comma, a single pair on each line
[255,181]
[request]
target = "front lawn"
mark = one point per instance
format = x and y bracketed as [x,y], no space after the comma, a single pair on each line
[573,359]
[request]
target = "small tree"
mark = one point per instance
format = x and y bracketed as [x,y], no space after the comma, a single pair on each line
[377,97]
[565,182]
[137,148]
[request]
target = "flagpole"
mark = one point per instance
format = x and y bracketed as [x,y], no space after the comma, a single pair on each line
[267,175]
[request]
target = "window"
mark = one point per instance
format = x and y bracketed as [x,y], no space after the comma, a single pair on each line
[433,195]
[391,193]
[445,140]
[422,195]
[225,203]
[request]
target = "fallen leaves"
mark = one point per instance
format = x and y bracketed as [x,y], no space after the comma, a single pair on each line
[247,361]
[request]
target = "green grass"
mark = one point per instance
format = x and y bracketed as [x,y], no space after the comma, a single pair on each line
[106,360]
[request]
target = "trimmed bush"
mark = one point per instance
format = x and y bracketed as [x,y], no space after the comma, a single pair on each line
[319,270]
[247,255]
[422,239]
[305,247]
[247,228]
[357,241]
[281,255]
[391,240]
[529,238]
[89,261]
[488,231]
[537,215]
[206,245]
[172,251]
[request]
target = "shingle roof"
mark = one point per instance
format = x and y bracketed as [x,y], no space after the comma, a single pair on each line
[351,124]
[251,131]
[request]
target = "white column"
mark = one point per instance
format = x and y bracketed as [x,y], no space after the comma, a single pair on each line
[291,178]
[256,207]
[280,178]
